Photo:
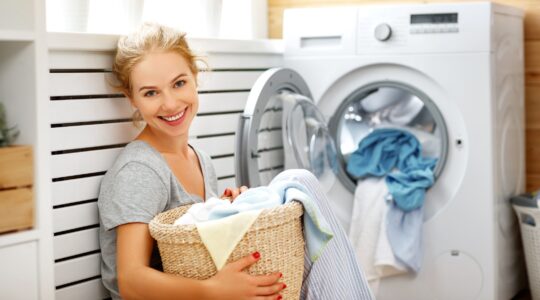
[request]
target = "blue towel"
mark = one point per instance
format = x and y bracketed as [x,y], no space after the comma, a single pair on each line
[408,189]
[388,148]
[378,154]
[317,232]
[256,198]
[404,230]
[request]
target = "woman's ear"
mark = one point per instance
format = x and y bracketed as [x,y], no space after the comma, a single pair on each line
[128,95]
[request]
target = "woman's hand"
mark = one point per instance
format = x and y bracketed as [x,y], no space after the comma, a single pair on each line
[232,283]
[232,193]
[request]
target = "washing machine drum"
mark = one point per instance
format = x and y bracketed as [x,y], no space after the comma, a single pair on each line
[281,128]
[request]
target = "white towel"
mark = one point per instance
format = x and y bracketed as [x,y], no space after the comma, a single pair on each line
[368,231]
[222,224]
[221,236]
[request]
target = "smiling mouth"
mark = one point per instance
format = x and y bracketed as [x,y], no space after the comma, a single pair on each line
[174,117]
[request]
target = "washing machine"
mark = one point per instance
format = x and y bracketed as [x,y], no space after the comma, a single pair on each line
[453,75]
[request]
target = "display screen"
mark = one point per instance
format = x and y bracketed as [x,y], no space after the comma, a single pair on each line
[435,18]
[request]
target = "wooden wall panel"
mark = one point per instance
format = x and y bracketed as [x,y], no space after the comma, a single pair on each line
[532,62]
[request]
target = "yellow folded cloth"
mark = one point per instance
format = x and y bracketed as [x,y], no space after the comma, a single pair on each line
[222,235]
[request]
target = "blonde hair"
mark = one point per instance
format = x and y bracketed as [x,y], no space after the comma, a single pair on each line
[149,37]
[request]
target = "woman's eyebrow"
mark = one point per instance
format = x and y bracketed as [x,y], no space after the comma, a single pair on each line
[178,76]
[147,88]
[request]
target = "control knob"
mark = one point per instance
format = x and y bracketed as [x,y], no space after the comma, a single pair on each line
[383,32]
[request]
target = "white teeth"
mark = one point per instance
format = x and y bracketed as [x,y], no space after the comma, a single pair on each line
[175,117]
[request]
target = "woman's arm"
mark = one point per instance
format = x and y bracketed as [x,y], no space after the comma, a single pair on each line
[137,280]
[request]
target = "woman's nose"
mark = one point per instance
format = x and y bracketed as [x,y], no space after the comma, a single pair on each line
[168,100]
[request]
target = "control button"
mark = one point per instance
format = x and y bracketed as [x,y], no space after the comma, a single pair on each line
[383,32]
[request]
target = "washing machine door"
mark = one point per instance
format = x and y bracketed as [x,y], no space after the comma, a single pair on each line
[281,128]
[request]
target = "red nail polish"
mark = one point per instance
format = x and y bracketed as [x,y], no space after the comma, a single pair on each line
[256,255]
[279,297]
[280,275]
[284,286]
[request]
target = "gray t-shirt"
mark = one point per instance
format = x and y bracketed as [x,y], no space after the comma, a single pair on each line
[136,188]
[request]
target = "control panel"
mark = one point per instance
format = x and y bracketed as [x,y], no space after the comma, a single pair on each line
[434,23]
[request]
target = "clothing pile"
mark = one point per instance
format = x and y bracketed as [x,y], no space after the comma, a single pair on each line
[386,227]
[222,224]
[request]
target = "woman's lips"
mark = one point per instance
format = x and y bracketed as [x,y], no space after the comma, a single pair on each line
[174,120]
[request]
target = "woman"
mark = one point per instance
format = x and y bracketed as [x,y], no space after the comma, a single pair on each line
[158,171]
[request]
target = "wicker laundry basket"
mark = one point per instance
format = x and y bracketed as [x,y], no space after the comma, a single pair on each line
[276,234]
[528,212]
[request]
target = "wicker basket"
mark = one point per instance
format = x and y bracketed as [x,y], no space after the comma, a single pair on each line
[276,234]
[529,221]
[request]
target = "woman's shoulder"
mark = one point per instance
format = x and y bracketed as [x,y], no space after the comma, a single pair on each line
[141,154]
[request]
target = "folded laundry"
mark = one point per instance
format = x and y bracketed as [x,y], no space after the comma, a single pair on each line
[222,224]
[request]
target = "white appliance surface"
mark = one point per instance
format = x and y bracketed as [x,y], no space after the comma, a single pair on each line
[468,59]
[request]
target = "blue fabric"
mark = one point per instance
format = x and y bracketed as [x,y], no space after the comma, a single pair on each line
[409,189]
[404,230]
[256,198]
[388,148]
[317,232]
[336,274]
[378,154]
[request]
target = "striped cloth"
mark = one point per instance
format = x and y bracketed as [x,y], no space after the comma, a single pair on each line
[336,274]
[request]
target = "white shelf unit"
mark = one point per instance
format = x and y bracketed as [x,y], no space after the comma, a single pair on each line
[16,35]
[26,256]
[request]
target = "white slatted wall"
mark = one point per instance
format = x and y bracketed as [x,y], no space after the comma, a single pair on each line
[90,123]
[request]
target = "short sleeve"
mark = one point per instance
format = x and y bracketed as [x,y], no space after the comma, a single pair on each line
[135,193]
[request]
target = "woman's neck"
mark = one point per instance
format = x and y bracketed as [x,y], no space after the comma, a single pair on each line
[165,144]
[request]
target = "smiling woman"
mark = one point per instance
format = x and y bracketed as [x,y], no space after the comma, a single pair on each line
[165,94]
[158,171]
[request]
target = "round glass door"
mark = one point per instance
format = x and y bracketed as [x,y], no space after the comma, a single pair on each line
[293,134]
[281,128]
[387,105]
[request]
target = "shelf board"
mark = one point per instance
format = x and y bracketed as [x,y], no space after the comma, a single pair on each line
[8,239]
[16,35]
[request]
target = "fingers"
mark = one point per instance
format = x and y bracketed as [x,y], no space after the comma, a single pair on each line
[243,189]
[232,193]
[264,280]
[235,193]
[272,297]
[271,290]
[227,193]
[246,261]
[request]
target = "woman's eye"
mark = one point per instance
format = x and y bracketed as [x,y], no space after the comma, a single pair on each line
[179,83]
[150,93]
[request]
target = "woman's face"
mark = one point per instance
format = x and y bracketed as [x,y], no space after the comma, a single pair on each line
[165,92]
